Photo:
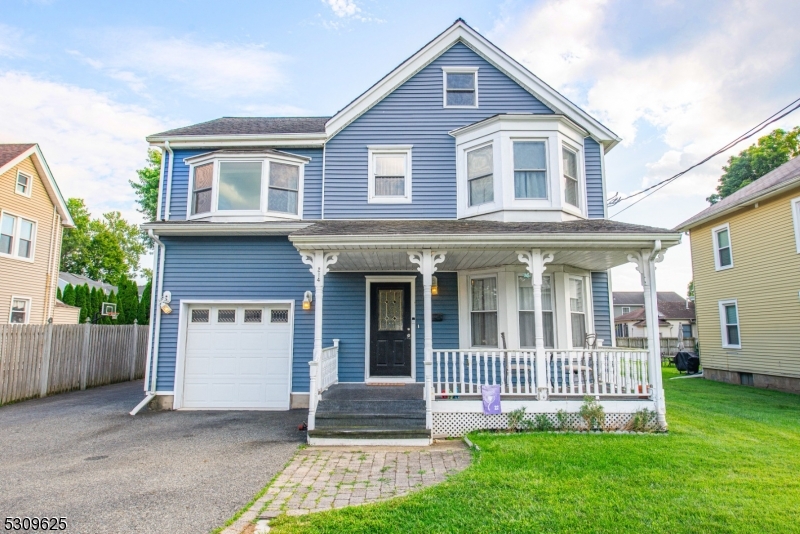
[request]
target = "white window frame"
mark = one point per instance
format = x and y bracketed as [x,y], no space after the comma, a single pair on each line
[376,150]
[626,310]
[581,178]
[30,183]
[714,232]
[498,289]
[459,70]
[723,324]
[587,327]
[486,206]
[552,310]
[796,217]
[547,171]
[263,210]
[27,309]
[15,242]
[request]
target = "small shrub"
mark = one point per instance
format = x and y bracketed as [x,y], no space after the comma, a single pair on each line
[641,420]
[515,419]
[542,423]
[593,414]
[562,420]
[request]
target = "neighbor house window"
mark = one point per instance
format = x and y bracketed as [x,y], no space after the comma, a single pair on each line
[729,321]
[577,308]
[527,322]
[20,310]
[622,330]
[484,311]
[16,236]
[687,330]
[239,186]
[201,188]
[625,310]
[24,183]
[530,169]
[284,184]
[571,184]
[480,180]
[460,87]
[723,256]
[390,174]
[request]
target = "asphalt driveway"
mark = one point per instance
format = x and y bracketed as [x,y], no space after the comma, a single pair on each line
[81,456]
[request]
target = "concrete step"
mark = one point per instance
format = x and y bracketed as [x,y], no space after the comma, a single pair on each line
[385,407]
[351,420]
[370,433]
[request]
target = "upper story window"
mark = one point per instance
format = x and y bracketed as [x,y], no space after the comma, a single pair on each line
[389,174]
[245,184]
[572,190]
[16,237]
[527,325]
[723,255]
[480,175]
[530,169]
[24,183]
[460,87]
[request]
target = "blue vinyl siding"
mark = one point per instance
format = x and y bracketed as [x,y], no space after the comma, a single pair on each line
[235,268]
[413,115]
[312,201]
[594,179]
[602,309]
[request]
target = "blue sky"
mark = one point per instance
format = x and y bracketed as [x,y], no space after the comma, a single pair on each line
[675,79]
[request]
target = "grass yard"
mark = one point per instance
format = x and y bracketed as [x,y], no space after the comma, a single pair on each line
[730,463]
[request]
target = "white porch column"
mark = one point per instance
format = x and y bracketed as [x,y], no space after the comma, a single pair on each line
[427,261]
[536,262]
[645,261]
[319,263]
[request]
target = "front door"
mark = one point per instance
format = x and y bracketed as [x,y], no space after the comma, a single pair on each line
[390,329]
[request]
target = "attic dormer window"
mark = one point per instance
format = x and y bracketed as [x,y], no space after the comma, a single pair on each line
[460,87]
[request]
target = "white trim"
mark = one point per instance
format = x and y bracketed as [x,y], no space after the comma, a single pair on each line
[795,203]
[376,442]
[587,310]
[27,308]
[14,255]
[389,279]
[723,324]
[183,327]
[459,70]
[552,309]
[374,150]
[715,244]
[29,186]
[580,179]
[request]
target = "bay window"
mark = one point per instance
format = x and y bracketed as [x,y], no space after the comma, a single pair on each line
[530,169]
[483,311]
[201,188]
[284,183]
[571,183]
[480,175]
[577,308]
[527,323]
[239,186]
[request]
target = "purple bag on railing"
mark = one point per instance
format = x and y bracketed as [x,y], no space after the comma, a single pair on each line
[491,399]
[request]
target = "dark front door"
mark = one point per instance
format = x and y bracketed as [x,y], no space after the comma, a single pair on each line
[390,329]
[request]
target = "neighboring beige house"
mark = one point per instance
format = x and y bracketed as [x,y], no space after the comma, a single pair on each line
[32,216]
[746,262]
[675,314]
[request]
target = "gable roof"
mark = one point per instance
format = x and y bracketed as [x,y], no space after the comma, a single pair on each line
[460,31]
[784,177]
[667,310]
[13,154]
[636,298]
[250,126]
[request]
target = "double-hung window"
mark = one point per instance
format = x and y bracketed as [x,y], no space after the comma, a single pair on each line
[571,183]
[24,183]
[460,87]
[20,310]
[389,174]
[480,175]
[729,323]
[527,322]
[201,188]
[687,330]
[577,308]
[284,184]
[796,217]
[483,311]
[530,169]
[16,236]
[723,255]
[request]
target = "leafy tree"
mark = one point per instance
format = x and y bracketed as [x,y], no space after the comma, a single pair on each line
[80,301]
[69,295]
[127,301]
[59,296]
[144,303]
[690,289]
[146,185]
[75,241]
[770,152]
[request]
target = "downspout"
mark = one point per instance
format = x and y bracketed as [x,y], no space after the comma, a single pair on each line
[160,185]
[169,181]
[151,371]
[51,294]
[322,195]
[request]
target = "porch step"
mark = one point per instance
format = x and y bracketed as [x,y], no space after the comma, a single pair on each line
[370,433]
[378,407]
[355,421]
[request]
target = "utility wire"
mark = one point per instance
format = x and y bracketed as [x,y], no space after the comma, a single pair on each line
[749,133]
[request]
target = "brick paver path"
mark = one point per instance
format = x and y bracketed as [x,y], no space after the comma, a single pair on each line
[322,478]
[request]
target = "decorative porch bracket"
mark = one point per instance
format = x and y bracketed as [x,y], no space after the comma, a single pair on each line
[537,261]
[645,261]
[427,260]
[319,263]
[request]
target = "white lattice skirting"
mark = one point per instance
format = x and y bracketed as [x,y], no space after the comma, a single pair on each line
[457,424]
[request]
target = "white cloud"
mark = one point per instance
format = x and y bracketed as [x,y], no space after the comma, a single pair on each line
[11,41]
[343,8]
[92,143]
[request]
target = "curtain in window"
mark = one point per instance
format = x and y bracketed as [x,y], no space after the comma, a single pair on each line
[390,172]
[530,170]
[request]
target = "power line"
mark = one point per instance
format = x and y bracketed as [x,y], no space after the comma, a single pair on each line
[778,115]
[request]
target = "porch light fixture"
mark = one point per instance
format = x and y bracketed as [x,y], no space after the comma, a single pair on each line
[434,285]
[166,298]
[307,297]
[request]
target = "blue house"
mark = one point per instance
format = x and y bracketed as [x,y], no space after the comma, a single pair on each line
[447,230]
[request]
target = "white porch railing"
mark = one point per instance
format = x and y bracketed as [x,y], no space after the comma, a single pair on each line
[606,372]
[329,366]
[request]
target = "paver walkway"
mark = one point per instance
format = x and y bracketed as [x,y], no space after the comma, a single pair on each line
[323,478]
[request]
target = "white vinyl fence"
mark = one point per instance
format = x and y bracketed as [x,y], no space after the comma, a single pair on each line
[37,360]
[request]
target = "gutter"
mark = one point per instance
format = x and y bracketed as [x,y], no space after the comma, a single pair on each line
[169,180]
[160,185]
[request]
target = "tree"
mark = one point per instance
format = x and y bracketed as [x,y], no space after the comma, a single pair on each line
[59,296]
[144,303]
[690,289]
[127,301]
[80,302]
[770,152]
[146,185]
[69,295]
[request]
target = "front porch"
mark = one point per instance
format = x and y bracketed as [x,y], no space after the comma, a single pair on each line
[525,312]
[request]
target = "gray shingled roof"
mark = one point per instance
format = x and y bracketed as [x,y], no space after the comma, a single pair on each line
[783,175]
[636,298]
[9,151]
[251,126]
[666,311]
[449,227]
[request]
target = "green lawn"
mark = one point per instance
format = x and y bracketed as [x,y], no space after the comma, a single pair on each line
[730,463]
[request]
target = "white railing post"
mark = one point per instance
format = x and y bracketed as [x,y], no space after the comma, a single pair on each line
[537,263]
[312,393]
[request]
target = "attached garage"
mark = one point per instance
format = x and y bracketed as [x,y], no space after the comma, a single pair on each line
[237,356]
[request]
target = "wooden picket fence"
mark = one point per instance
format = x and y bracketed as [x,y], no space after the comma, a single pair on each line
[37,360]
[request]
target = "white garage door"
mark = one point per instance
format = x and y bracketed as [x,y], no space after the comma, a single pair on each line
[237,357]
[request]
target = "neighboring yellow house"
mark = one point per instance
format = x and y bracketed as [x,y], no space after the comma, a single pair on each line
[32,216]
[746,262]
